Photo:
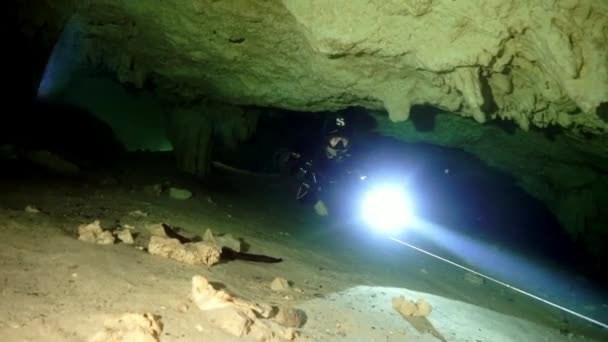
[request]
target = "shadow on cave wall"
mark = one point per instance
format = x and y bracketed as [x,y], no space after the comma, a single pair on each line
[551,132]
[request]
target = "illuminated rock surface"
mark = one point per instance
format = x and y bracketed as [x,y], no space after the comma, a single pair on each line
[537,64]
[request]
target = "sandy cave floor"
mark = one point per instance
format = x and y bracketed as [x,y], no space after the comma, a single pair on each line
[56,288]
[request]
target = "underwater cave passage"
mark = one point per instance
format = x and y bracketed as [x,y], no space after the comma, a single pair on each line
[154,196]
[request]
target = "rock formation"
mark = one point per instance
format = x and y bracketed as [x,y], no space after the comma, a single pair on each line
[538,63]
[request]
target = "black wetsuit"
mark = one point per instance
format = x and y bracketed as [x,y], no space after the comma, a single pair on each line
[319,171]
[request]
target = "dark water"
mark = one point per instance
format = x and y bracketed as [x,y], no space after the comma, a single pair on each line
[66,130]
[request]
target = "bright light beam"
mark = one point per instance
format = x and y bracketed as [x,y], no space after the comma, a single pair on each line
[557,306]
[387,209]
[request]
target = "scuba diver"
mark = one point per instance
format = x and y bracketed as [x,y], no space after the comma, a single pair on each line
[325,166]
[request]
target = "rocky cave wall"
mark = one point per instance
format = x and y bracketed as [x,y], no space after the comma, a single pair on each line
[540,64]
[193,130]
[536,63]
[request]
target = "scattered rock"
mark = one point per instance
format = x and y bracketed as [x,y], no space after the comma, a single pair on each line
[125,236]
[222,241]
[290,317]
[180,194]
[233,320]
[290,334]
[236,316]
[206,297]
[424,308]
[31,209]
[279,284]
[130,327]
[155,229]
[408,308]
[138,213]
[473,279]
[93,233]
[262,309]
[193,253]
[142,233]
[209,236]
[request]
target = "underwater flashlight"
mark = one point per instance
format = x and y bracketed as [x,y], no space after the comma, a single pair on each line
[387,208]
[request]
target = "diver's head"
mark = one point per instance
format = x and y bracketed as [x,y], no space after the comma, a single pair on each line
[336,145]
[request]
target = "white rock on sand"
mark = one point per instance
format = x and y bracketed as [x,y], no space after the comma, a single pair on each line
[125,236]
[180,194]
[279,284]
[290,317]
[93,233]
[408,308]
[130,327]
[31,209]
[238,317]
[138,213]
[195,253]
[155,229]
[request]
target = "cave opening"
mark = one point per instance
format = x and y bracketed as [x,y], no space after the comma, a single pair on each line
[423,117]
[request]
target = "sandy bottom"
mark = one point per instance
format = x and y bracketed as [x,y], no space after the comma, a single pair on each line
[56,288]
